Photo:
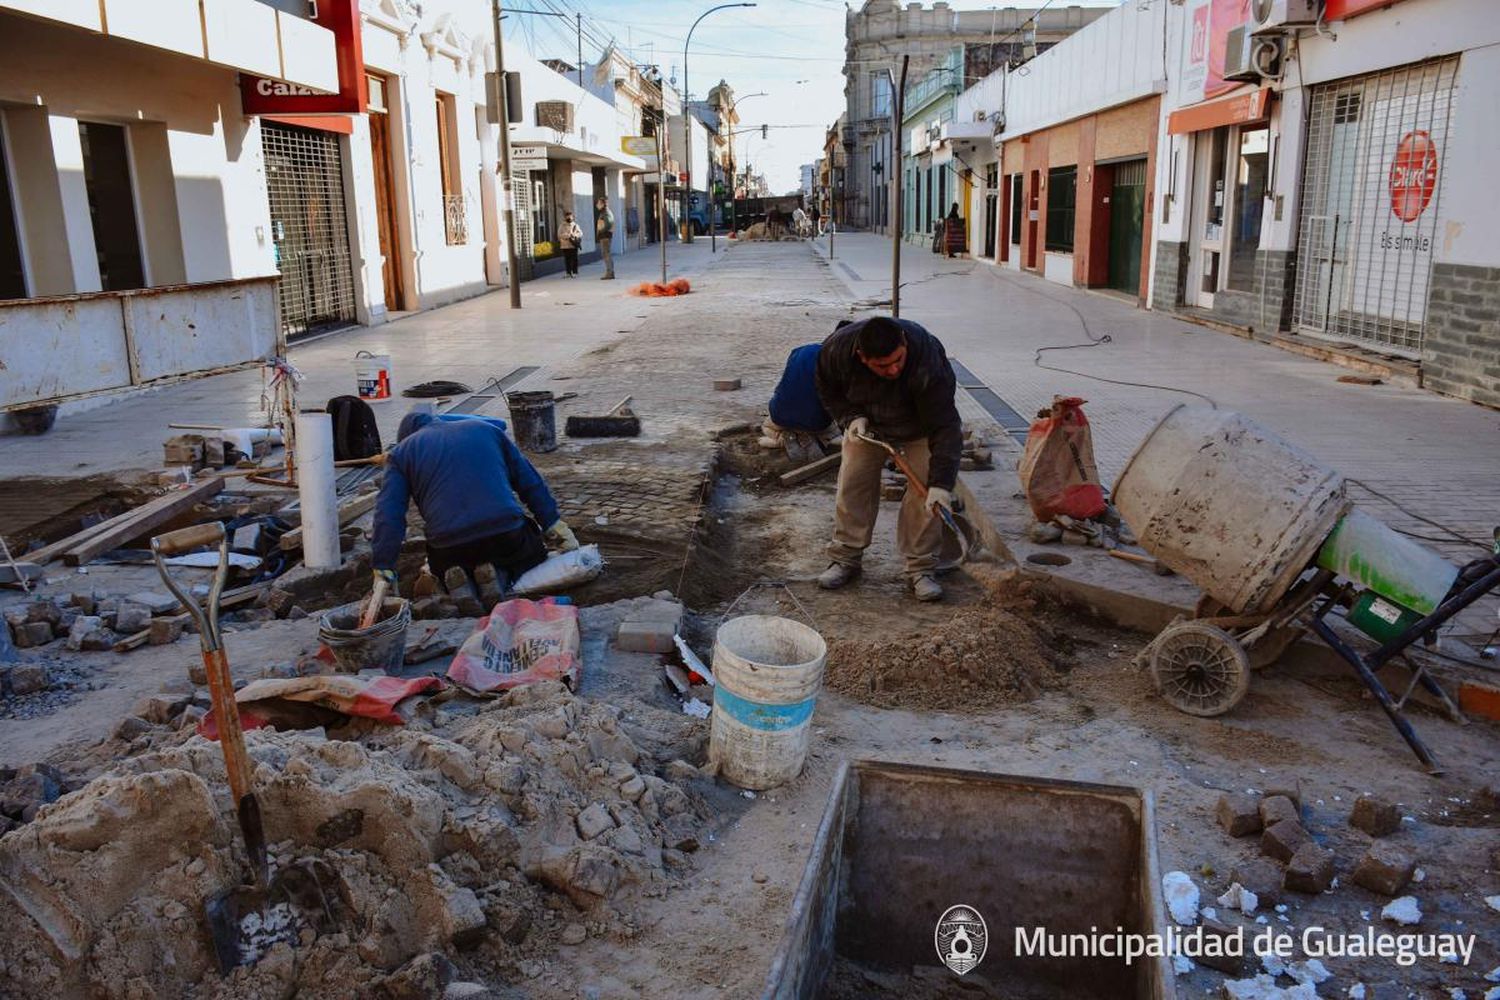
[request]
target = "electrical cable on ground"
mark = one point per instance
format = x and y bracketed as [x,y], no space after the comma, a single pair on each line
[1456,535]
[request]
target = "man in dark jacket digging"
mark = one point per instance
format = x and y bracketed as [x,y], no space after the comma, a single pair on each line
[470,482]
[890,379]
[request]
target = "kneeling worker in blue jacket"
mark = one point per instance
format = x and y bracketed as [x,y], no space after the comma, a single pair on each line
[466,476]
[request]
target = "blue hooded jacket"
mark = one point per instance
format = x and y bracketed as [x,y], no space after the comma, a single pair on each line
[466,476]
[795,404]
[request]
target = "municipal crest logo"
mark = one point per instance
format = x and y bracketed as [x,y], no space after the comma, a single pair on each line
[961,937]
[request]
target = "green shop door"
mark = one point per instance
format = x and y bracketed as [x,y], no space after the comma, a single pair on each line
[1126,216]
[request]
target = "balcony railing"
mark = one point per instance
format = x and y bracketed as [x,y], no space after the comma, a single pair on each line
[455,219]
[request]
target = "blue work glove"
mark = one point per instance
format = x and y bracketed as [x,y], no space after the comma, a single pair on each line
[388,575]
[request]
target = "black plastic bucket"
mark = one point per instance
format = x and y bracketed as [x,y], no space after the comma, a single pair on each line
[533,420]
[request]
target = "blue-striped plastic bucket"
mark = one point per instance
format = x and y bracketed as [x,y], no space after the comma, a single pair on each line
[768,671]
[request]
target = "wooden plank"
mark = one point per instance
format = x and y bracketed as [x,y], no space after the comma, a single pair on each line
[812,469]
[176,503]
[57,549]
[349,510]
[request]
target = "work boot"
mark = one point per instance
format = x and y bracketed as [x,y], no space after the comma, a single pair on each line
[836,575]
[488,579]
[925,587]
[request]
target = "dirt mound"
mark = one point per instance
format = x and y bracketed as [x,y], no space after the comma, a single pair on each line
[995,653]
[484,834]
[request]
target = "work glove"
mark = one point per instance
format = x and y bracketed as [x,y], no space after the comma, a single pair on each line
[858,427]
[939,500]
[388,575]
[562,536]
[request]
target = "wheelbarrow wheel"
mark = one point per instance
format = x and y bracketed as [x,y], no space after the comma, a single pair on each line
[1199,669]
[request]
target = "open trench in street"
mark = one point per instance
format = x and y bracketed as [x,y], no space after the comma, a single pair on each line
[556,844]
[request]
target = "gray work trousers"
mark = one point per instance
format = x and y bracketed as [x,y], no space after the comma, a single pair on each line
[919,535]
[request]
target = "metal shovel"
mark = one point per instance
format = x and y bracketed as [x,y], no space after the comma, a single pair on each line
[970,545]
[220,685]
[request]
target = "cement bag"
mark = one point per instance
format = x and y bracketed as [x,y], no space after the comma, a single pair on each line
[520,642]
[1057,468]
[560,571]
[321,700]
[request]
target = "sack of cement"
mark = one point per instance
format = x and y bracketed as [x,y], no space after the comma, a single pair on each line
[561,571]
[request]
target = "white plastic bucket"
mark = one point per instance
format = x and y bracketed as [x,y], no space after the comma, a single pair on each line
[768,671]
[372,376]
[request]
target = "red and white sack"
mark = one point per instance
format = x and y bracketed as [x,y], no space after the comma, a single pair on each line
[519,642]
[1057,468]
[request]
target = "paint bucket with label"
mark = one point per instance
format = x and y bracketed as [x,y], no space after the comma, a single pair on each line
[372,376]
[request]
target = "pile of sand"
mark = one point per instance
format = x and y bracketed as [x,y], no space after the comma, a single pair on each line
[484,834]
[995,653]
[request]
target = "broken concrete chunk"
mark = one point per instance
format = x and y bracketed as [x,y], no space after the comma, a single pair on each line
[131,618]
[1282,839]
[29,678]
[99,640]
[1224,934]
[1238,814]
[85,603]
[1310,870]
[1275,808]
[164,631]
[32,634]
[1385,869]
[574,933]
[652,636]
[157,709]
[82,626]
[158,603]
[42,610]
[593,821]
[463,918]
[632,788]
[1291,791]
[1375,816]
[131,727]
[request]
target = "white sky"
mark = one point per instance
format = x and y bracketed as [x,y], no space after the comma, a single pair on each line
[792,50]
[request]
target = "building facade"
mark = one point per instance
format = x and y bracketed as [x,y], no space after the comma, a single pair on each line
[274,169]
[878,33]
[1064,155]
[1333,194]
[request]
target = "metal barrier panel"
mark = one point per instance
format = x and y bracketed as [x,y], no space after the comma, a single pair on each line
[1368,222]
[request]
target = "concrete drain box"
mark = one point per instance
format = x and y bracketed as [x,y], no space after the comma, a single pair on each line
[900,844]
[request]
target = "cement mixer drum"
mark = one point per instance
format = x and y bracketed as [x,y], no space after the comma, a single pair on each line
[1229,505]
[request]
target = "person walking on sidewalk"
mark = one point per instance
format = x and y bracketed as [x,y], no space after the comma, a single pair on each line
[604,234]
[470,482]
[953,232]
[570,238]
[890,379]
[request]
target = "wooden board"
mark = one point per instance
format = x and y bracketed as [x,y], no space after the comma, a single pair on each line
[349,510]
[127,527]
[811,470]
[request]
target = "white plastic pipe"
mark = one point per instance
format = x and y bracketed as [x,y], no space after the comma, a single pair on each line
[316,488]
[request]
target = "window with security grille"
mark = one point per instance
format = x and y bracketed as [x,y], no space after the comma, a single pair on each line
[1062,198]
[309,228]
[1368,226]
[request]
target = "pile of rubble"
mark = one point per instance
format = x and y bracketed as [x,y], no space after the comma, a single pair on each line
[483,835]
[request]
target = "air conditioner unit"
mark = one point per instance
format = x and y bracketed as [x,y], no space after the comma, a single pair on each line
[1271,16]
[1252,58]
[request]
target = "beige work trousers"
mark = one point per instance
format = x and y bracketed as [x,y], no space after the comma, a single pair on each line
[919,535]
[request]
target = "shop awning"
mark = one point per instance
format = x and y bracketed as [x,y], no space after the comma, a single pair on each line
[1251,106]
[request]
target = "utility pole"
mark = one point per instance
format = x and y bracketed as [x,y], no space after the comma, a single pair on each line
[661,184]
[507,192]
[578,24]
[898,107]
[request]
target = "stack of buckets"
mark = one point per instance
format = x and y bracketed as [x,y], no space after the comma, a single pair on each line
[768,671]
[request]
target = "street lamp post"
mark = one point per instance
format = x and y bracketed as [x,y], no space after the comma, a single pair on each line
[687,115]
[506,180]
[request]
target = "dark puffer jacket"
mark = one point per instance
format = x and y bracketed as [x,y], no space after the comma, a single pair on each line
[918,403]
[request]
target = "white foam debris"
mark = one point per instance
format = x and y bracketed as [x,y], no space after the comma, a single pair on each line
[1182,965]
[1273,964]
[1449,958]
[1181,896]
[1310,971]
[1263,987]
[1237,897]
[1420,875]
[1493,976]
[1356,992]
[1403,911]
[697,709]
[1209,913]
[1457,994]
[1493,993]
[1493,902]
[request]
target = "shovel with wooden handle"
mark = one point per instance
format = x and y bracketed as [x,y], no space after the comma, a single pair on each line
[220,685]
[969,543]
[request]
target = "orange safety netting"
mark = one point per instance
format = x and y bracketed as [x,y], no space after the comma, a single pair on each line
[656,290]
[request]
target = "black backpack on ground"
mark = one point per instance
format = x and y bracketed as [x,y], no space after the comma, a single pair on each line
[355,434]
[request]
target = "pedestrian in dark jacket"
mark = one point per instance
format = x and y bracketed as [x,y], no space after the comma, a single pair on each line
[466,477]
[953,232]
[890,379]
